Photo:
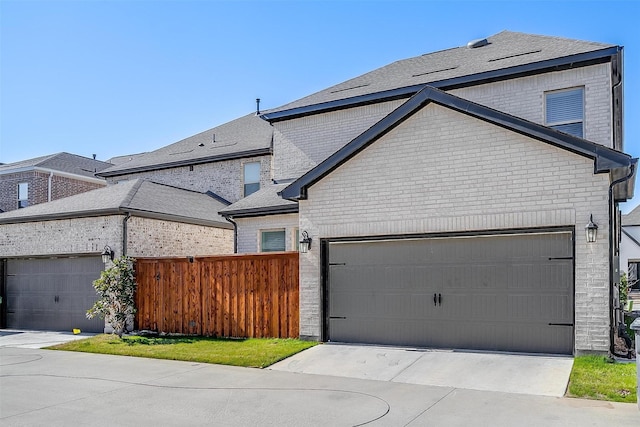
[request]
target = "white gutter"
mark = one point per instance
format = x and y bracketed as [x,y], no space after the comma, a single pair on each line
[49,187]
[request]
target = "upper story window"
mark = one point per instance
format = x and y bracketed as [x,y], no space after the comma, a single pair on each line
[251,178]
[564,111]
[272,241]
[23,195]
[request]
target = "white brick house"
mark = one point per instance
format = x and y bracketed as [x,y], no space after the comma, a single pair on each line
[444,177]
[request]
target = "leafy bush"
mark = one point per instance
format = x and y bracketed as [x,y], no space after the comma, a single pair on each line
[624,289]
[116,289]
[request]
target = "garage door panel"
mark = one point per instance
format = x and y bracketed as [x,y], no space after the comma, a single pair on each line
[52,293]
[497,292]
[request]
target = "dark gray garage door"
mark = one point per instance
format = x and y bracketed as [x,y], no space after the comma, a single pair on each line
[52,293]
[499,292]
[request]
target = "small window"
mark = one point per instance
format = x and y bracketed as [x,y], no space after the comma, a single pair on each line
[272,241]
[23,195]
[296,241]
[251,178]
[564,111]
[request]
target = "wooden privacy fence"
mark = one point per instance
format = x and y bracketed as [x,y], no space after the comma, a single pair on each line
[226,296]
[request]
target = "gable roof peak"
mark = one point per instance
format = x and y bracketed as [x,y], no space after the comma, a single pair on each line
[605,159]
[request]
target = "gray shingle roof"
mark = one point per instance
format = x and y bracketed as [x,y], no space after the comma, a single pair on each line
[505,49]
[248,135]
[263,202]
[139,197]
[62,162]
[632,218]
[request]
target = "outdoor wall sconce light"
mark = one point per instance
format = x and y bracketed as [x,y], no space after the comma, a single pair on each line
[305,243]
[592,230]
[107,254]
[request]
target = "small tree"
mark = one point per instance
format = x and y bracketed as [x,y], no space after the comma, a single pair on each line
[115,288]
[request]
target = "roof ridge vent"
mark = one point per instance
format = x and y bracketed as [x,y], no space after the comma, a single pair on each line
[477,43]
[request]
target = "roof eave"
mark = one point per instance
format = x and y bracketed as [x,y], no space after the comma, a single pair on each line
[62,216]
[262,211]
[605,159]
[188,162]
[556,64]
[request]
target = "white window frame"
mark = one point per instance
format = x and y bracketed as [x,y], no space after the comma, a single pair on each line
[23,197]
[272,230]
[557,124]
[296,239]
[244,178]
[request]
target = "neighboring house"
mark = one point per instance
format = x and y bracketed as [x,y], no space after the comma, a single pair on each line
[47,178]
[52,251]
[445,196]
[630,245]
[232,160]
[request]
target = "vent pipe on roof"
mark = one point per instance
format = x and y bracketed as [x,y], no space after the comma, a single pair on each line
[257,106]
[477,43]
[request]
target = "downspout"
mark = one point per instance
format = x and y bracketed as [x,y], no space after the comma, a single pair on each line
[124,233]
[612,233]
[50,185]
[235,233]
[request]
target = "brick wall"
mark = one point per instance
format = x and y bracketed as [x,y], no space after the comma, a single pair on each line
[300,144]
[153,238]
[443,171]
[146,237]
[59,237]
[223,178]
[249,231]
[524,97]
[39,188]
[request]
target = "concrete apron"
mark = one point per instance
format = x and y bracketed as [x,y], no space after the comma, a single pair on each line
[541,375]
[37,339]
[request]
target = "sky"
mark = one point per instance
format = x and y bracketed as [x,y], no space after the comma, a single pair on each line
[117,77]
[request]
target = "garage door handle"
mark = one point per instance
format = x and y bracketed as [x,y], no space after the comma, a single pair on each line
[435,300]
[439,299]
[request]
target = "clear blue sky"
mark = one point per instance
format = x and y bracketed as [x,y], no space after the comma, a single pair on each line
[124,76]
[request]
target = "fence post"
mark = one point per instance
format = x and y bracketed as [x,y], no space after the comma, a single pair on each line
[636,328]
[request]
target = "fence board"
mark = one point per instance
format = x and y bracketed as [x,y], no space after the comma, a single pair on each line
[254,295]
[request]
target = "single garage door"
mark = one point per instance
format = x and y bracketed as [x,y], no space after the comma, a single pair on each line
[52,293]
[498,292]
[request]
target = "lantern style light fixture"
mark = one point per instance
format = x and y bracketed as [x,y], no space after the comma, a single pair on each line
[305,243]
[107,254]
[591,230]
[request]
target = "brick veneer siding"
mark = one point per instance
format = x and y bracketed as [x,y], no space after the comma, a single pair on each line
[61,237]
[442,171]
[224,178]
[146,237]
[39,188]
[524,97]
[300,144]
[152,238]
[249,231]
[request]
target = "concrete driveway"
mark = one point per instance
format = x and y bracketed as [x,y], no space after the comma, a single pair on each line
[56,388]
[36,339]
[502,372]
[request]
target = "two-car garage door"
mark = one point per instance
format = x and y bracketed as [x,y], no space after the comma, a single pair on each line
[52,293]
[498,292]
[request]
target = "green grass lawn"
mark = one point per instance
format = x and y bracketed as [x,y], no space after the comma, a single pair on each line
[597,377]
[252,352]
